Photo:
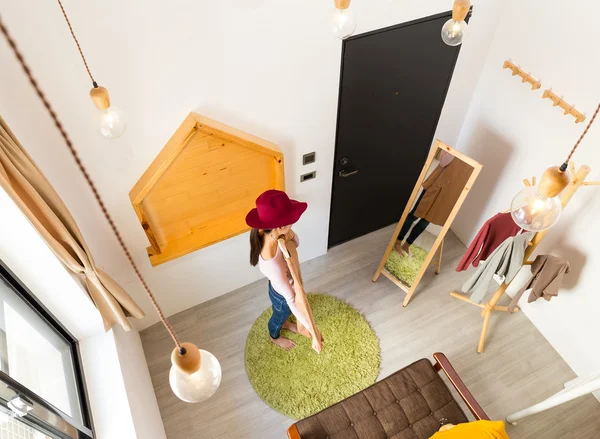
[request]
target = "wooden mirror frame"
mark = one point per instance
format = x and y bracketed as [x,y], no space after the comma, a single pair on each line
[437,146]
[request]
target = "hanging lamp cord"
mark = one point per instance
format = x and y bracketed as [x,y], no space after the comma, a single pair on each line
[563,167]
[90,183]
[77,43]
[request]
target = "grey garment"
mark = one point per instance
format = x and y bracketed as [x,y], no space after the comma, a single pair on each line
[505,261]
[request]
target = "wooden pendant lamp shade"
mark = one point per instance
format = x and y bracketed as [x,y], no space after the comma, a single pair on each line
[200,187]
[341,4]
[100,97]
[460,9]
[189,362]
[553,182]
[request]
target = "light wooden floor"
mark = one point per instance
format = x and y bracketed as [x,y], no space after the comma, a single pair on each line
[517,369]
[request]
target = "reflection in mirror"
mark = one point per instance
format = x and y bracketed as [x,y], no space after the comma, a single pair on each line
[444,181]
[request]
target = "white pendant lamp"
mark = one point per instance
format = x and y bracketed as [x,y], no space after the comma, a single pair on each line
[539,208]
[195,374]
[454,29]
[110,120]
[343,22]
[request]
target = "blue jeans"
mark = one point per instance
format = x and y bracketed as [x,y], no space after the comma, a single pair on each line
[281,312]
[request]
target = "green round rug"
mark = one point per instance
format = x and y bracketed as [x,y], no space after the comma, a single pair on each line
[300,382]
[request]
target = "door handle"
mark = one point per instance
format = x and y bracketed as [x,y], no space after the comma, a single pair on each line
[344,173]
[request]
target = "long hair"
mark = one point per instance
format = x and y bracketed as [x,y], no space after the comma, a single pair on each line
[257,239]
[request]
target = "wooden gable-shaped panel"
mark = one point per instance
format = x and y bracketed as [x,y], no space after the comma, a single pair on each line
[200,187]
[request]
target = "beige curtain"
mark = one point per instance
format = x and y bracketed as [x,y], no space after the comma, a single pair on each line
[27,186]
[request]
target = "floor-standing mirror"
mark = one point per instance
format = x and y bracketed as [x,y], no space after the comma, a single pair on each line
[439,193]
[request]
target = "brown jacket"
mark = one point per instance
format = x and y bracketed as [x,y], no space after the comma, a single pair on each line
[547,272]
[443,187]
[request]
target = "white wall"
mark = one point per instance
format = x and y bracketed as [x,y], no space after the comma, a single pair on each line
[515,134]
[121,395]
[108,398]
[141,398]
[264,66]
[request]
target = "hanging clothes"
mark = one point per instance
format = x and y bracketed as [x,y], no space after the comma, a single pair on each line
[493,233]
[505,261]
[547,273]
[443,187]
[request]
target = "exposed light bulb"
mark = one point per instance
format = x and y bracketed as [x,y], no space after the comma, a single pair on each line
[200,385]
[112,122]
[453,32]
[533,211]
[343,22]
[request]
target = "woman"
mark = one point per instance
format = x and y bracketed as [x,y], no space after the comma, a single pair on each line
[273,218]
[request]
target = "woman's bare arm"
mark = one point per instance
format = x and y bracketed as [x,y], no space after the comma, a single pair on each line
[301,299]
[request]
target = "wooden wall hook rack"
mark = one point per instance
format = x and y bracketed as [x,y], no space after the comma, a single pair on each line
[525,77]
[557,101]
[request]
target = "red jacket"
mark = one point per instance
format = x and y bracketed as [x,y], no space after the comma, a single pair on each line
[493,233]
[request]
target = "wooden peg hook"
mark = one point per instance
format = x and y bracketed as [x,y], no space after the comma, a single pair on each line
[569,109]
[525,77]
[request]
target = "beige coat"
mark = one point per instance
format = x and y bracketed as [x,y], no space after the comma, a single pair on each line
[443,187]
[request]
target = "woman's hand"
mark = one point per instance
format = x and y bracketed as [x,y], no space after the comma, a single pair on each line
[289,235]
[317,343]
[317,338]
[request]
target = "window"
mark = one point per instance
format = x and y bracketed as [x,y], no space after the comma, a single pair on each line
[12,428]
[40,369]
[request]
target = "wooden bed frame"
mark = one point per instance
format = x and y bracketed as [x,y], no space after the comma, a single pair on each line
[441,364]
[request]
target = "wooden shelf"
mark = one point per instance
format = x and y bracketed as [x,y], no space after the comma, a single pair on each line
[200,187]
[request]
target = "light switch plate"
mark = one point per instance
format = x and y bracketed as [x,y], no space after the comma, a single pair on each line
[308,176]
[309,158]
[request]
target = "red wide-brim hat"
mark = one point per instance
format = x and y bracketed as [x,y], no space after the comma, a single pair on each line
[275,209]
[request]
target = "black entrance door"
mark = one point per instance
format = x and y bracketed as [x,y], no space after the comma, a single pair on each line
[392,89]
